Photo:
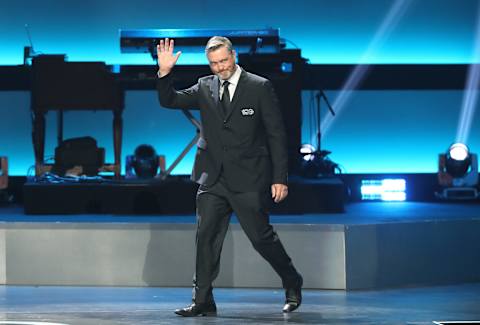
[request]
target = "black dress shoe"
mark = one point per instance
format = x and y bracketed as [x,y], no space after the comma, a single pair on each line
[206,309]
[293,297]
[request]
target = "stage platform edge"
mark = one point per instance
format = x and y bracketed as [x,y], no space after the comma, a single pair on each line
[175,195]
[330,256]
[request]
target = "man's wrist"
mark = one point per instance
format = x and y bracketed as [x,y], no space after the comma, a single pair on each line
[162,73]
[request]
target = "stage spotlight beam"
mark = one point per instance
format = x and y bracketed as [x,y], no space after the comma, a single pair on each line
[390,21]
[470,97]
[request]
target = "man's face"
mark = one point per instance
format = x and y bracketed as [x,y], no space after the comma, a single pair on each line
[222,62]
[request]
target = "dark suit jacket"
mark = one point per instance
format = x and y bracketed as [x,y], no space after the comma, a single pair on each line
[249,144]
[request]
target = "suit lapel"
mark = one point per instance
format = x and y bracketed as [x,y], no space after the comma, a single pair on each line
[238,93]
[214,89]
[214,92]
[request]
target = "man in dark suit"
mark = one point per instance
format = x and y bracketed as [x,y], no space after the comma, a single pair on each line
[241,165]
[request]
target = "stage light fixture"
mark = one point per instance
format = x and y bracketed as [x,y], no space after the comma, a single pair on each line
[383,189]
[316,163]
[458,160]
[143,164]
[307,151]
[458,173]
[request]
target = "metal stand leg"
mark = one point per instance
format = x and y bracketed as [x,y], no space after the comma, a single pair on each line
[198,125]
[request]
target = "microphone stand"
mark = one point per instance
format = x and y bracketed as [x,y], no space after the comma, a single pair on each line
[324,163]
[321,94]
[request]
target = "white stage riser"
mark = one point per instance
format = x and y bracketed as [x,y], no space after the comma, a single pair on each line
[159,255]
[328,256]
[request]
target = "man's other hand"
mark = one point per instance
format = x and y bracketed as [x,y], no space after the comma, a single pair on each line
[279,192]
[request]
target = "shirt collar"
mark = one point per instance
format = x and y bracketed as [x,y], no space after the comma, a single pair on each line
[235,76]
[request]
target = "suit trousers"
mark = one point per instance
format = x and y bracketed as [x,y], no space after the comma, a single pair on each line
[215,205]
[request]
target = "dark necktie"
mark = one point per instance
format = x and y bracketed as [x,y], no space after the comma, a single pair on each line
[225,98]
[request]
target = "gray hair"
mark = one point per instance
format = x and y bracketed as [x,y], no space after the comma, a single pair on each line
[217,42]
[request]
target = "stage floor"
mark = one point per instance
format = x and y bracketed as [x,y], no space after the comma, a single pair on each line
[145,306]
[355,214]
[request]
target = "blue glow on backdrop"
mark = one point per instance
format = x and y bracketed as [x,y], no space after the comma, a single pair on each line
[377,132]
[144,122]
[392,131]
[431,31]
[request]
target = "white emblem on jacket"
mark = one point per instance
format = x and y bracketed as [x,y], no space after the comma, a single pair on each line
[248,111]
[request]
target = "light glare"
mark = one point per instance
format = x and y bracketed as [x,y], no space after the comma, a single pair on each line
[458,151]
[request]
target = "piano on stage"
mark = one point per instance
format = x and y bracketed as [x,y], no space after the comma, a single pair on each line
[194,40]
[59,85]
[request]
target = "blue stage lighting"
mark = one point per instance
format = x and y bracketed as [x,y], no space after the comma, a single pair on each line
[384,189]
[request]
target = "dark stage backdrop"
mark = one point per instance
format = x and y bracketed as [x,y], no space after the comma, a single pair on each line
[376,131]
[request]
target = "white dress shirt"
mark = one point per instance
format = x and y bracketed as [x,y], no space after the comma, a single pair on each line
[233,80]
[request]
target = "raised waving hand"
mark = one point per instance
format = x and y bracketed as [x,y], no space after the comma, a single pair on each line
[165,56]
